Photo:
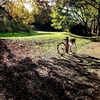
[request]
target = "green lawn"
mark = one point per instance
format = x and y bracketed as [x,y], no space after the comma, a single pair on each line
[49,39]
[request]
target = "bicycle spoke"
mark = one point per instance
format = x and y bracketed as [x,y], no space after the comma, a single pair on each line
[73,48]
[61,48]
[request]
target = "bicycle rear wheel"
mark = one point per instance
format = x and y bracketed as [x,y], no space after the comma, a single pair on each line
[73,48]
[61,48]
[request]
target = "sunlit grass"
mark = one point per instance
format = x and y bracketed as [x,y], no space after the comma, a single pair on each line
[27,34]
[49,40]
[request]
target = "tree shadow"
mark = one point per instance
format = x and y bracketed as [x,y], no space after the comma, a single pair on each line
[15,82]
[76,80]
[25,82]
[91,38]
[4,51]
[86,60]
[94,39]
[66,78]
[58,79]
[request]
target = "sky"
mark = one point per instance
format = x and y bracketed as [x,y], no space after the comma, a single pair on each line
[28,6]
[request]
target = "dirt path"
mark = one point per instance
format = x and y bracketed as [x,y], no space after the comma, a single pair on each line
[92,49]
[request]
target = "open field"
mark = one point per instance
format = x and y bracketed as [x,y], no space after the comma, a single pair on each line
[49,40]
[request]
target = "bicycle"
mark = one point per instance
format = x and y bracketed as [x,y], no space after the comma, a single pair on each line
[69,45]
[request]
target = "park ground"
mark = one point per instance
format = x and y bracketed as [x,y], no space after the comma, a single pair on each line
[30,72]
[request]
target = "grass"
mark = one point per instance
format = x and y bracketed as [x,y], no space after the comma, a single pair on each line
[46,41]
[24,34]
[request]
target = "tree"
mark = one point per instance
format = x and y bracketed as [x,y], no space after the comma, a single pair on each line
[44,10]
[43,19]
[80,11]
[88,10]
[3,2]
[59,14]
[19,13]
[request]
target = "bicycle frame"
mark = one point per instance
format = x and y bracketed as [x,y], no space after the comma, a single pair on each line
[69,44]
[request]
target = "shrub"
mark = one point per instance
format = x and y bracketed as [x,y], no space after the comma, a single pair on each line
[4,25]
[79,29]
[20,27]
[12,26]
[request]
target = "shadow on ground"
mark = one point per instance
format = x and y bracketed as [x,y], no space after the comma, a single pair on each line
[67,78]
[93,38]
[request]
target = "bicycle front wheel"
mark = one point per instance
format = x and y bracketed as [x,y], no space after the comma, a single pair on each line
[73,48]
[61,48]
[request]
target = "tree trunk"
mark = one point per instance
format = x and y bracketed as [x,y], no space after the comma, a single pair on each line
[85,24]
[94,28]
[90,28]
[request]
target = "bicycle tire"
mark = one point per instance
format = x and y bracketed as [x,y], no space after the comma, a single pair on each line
[61,48]
[73,48]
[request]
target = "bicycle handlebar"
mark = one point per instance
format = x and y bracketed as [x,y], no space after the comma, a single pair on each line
[71,40]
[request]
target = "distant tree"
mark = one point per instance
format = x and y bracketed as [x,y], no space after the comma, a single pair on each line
[19,12]
[59,14]
[43,19]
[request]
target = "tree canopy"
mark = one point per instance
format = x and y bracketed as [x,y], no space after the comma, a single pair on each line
[60,14]
[80,11]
